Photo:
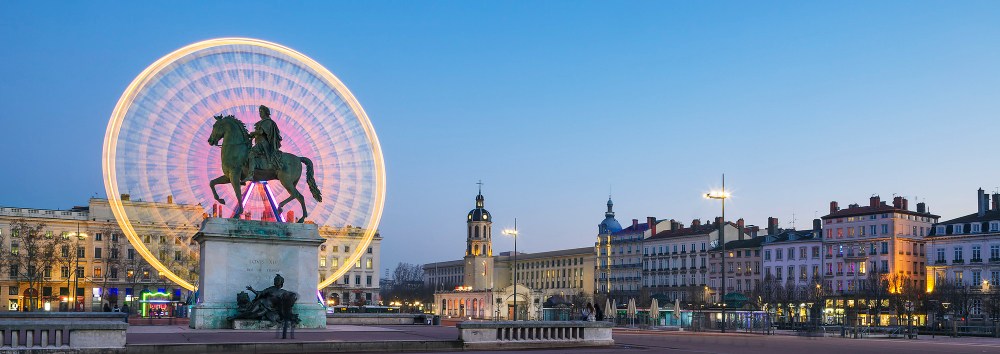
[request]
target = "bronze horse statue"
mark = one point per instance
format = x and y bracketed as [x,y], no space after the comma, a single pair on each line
[236,167]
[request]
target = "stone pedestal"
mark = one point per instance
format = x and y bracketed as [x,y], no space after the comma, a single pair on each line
[236,253]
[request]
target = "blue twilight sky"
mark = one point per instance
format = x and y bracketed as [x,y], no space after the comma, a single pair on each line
[553,103]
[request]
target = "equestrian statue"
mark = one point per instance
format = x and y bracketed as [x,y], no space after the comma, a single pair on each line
[261,161]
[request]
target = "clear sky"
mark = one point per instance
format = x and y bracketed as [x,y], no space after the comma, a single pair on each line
[553,104]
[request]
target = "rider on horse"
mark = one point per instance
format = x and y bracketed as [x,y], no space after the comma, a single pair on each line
[265,153]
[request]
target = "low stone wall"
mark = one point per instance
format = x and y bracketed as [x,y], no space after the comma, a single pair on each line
[534,334]
[69,332]
[384,319]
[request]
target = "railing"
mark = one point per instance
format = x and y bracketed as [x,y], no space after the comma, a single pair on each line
[62,330]
[513,334]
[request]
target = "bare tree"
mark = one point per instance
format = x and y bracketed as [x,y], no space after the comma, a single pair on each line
[32,253]
[875,288]
[407,286]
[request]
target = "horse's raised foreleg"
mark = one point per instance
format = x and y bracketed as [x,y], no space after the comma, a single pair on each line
[221,180]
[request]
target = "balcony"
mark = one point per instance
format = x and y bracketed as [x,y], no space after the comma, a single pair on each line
[994,260]
[958,261]
[940,261]
[976,260]
[840,273]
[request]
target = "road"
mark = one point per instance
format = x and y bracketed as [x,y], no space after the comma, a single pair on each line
[715,343]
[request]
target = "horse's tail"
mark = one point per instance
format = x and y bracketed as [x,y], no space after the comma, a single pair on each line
[311,179]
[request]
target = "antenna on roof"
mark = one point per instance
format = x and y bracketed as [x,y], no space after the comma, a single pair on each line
[480,183]
[793,218]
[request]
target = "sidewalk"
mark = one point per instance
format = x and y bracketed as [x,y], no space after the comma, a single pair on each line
[141,335]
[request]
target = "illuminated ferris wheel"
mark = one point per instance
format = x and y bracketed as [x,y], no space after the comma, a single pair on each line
[156,147]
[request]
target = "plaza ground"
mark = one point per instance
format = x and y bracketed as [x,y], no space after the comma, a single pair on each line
[636,341]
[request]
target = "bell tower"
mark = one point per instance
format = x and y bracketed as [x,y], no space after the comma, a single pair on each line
[479,246]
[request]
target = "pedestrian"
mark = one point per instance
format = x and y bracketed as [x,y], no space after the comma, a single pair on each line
[598,314]
[107,308]
[585,312]
[590,313]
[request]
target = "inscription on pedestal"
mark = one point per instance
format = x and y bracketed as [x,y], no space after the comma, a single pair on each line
[263,266]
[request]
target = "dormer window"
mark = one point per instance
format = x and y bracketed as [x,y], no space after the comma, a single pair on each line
[994,226]
[957,229]
[941,230]
[975,228]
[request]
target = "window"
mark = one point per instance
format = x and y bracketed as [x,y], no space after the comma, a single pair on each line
[885,266]
[994,252]
[994,226]
[778,255]
[322,261]
[357,280]
[975,227]
[130,254]
[97,236]
[347,279]
[368,280]
[334,248]
[368,263]
[97,272]
[357,264]
[791,253]
[347,249]
[815,252]
[940,254]
[885,247]
[885,229]
[977,277]
[958,254]
[767,255]
[957,229]
[97,253]
[977,252]
[64,272]
[940,230]
[81,252]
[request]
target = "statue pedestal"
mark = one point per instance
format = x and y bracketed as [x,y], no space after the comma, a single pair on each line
[236,253]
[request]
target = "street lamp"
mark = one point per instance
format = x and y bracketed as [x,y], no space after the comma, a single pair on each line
[722,195]
[513,233]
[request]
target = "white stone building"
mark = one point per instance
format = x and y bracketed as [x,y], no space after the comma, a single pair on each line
[965,252]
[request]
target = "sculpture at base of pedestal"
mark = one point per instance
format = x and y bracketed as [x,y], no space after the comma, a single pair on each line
[237,254]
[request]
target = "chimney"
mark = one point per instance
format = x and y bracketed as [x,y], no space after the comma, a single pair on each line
[897,202]
[674,225]
[635,224]
[996,201]
[651,221]
[874,201]
[817,224]
[695,223]
[772,226]
[833,207]
[906,204]
[126,197]
[982,203]
[170,199]
[718,221]
[921,207]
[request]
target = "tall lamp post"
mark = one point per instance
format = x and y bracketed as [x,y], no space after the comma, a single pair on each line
[513,233]
[722,195]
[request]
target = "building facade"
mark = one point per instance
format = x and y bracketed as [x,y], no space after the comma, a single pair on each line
[482,285]
[98,266]
[792,279]
[880,238]
[964,260]
[360,285]
[676,259]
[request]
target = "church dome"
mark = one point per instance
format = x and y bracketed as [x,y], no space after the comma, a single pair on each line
[610,224]
[479,213]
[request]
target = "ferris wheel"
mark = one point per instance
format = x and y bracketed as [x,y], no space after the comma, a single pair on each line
[156,148]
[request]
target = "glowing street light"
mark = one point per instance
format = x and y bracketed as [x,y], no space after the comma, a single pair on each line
[513,233]
[722,195]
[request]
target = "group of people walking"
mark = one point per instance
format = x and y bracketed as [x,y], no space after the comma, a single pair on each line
[591,313]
